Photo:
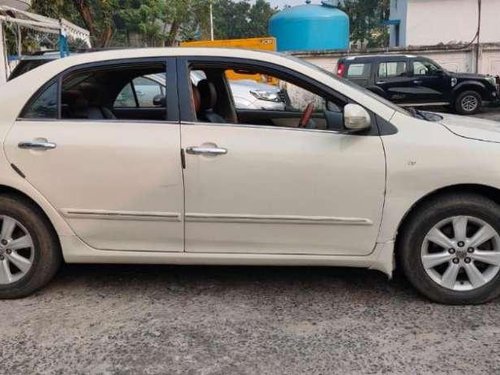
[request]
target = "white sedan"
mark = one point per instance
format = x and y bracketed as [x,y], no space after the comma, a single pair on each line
[338,178]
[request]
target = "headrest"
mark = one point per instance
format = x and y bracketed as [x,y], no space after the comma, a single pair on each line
[208,94]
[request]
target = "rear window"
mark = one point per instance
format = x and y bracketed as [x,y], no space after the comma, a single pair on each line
[358,71]
[392,69]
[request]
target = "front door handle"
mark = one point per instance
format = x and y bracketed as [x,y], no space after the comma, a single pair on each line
[417,82]
[37,145]
[206,150]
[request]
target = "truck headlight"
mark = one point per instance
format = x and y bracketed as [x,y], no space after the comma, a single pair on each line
[492,80]
[268,96]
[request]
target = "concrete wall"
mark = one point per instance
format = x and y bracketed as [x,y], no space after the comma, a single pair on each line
[450,57]
[431,22]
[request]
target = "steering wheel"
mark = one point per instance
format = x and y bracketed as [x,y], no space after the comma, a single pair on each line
[306,116]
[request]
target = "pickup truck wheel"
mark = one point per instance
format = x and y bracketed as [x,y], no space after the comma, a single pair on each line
[468,103]
[450,249]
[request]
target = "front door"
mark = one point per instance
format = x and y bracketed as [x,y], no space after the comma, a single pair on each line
[431,84]
[117,182]
[268,187]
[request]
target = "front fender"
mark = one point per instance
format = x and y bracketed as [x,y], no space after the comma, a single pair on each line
[469,85]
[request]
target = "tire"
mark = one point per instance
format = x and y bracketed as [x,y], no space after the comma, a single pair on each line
[468,103]
[419,244]
[33,239]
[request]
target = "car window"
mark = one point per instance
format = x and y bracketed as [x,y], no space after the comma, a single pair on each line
[109,93]
[424,68]
[145,89]
[270,93]
[126,98]
[45,106]
[392,69]
[358,70]
[261,98]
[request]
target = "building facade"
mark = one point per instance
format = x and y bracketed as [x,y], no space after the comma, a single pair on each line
[433,22]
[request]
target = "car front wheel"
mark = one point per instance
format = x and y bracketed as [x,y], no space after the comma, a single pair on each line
[468,103]
[450,249]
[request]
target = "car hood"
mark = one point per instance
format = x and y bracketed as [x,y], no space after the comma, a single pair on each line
[468,75]
[472,128]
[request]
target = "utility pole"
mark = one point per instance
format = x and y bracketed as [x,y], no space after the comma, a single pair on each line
[211,20]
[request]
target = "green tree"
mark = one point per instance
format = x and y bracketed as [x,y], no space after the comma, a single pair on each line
[145,18]
[95,15]
[234,20]
[367,18]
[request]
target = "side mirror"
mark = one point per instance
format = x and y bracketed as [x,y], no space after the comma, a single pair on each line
[356,118]
[160,101]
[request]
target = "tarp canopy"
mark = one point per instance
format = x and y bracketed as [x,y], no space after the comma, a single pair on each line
[10,16]
[43,24]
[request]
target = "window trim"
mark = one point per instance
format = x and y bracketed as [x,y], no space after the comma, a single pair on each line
[171,109]
[187,116]
[183,68]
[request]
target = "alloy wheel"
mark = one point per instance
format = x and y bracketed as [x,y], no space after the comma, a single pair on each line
[16,250]
[469,103]
[461,253]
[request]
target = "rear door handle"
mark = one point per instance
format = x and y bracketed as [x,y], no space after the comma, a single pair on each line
[206,150]
[37,145]
[417,82]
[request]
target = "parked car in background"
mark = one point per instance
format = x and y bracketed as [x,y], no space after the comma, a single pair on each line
[247,93]
[419,81]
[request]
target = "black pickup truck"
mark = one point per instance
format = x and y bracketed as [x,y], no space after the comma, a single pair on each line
[418,81]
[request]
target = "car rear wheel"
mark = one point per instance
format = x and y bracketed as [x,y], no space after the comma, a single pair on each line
[468,103]
[450,249]
[29,252]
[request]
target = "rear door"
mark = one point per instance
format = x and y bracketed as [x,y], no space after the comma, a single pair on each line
[117,182]
[359,72]
[392,76]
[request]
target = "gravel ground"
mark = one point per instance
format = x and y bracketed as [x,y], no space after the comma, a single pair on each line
[243,320]
[251,320]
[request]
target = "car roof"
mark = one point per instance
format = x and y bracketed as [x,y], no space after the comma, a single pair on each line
[80,57]
[375,58]
[26,85]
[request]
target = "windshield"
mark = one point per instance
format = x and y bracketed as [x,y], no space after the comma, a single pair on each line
[353,85]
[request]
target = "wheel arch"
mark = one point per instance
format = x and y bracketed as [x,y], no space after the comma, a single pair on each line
[13,192]
[469,86]
[477,189]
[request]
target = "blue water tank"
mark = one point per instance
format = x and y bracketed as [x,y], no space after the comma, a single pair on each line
[310,27]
